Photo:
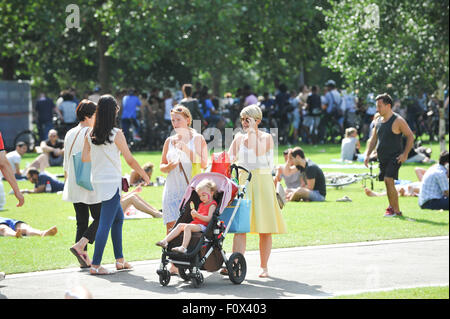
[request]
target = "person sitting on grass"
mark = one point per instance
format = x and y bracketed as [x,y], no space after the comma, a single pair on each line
[315,189]
[16,228]
[136,179]
[52,152]
[205,190]
[40,181]
[132,198]
[350,145]
[435,187]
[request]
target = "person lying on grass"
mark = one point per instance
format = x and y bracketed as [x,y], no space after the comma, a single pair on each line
[16,228]
[205,190]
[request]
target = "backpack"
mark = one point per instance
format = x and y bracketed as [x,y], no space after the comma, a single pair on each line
[336,112]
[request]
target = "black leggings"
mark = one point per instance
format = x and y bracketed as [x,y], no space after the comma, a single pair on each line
[82,215]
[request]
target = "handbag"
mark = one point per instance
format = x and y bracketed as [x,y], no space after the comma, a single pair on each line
[241,221]
[82,170]
[221,163]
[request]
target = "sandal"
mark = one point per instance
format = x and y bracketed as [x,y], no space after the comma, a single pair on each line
[344,199]
[81,258]
[123,266]
[96,271]
[264,274]
[162,244]
[224,272]
[180,249]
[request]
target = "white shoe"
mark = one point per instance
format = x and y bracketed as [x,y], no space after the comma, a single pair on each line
[2,276]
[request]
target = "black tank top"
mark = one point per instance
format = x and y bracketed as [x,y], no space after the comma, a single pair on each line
[389,144]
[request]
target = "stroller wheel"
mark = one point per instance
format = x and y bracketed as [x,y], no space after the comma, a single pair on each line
[237,268]
[197,279]
[164,277]
[182,273]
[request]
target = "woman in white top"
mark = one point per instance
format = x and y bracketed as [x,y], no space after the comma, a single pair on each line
[254,151]
[83,199]
[180,151]
[102,147]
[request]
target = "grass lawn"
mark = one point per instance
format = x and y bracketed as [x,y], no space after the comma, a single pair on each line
[412,293]
[308,223]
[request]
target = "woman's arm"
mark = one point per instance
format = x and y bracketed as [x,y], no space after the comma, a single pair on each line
[122,145]
[86,155]
[234,147]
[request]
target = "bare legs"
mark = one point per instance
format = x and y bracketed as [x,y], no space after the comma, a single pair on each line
[25,229]
[392,194]
[265,247]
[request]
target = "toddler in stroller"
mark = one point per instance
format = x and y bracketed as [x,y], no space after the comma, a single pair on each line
[205,190]
[202,249]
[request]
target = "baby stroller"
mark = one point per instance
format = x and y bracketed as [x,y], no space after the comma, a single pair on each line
[205,251]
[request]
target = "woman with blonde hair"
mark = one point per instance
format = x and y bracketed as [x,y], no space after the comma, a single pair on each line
[254,151]
[181,150]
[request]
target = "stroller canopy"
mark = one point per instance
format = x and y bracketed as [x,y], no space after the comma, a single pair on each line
[224,185]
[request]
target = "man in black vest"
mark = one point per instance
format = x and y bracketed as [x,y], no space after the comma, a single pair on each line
[387,134]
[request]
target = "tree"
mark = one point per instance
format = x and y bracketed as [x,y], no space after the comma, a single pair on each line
[374,43]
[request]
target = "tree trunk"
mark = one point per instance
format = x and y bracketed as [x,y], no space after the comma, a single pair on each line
[103,65]
[216,81]
[442,144]
[8,65]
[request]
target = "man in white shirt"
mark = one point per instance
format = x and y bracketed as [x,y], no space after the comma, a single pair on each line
[14,159]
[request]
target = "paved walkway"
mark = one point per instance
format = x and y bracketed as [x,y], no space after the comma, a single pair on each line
[302,272]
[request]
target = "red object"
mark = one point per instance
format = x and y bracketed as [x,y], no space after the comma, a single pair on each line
[221,164]
[2,147]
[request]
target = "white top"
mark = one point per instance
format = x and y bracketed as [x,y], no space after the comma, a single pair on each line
[348,148]
[176,185]
[72,191]
[106,168]
[13,158]
[248,159]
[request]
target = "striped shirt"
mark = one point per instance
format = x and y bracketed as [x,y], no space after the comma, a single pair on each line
[434,183]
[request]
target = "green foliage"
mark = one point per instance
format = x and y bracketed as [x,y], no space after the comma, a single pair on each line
[378,42]
[163,42]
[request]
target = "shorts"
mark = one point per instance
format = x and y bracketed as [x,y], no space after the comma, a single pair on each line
[55,161]
[11,223]
[389,168]
[203,227]
[316,196]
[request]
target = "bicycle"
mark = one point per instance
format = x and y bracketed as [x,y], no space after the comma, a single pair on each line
[30,137]
[339,179]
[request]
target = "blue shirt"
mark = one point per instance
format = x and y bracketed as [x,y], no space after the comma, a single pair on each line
[207,108]
[44,109]
[130,103]
[333,99]
[56,185]
[434,183]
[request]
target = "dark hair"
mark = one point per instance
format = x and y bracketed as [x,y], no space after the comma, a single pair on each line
[66,95]
[85,108]
[32,171]
[298,151]
[385,98]
[443,158]
[104,119]
[314,89]
[21,144]
[187,89]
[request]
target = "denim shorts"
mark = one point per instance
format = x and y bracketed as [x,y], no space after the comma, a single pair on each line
[315,196]
[11,223]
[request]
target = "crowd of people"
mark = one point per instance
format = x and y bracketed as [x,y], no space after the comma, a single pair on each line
[96,136]
[309,115]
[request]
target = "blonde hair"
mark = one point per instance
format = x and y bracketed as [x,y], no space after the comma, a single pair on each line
[206,183]
[184,111]
[253,111]
[349,131]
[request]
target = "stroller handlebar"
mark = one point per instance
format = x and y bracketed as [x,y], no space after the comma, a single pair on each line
[236,168]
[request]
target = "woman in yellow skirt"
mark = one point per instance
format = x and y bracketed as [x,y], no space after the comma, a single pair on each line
[254,151]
